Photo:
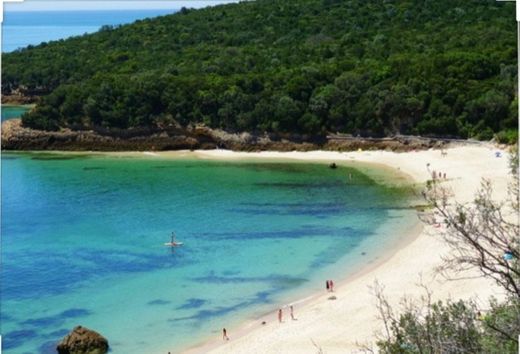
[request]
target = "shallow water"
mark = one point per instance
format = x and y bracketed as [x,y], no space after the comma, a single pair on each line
[82,243]
[10,112]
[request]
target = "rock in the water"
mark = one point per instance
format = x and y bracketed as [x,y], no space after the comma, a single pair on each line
[83,341]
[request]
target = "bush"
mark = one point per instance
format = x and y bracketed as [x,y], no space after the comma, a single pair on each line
[509,137]
[444,328]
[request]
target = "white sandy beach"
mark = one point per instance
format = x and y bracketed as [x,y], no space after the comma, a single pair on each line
[337,326]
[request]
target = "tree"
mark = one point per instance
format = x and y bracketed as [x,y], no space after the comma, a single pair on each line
[428,327]
[370,68]
[483,235]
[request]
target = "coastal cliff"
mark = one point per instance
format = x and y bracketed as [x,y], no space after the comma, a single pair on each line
[17,137]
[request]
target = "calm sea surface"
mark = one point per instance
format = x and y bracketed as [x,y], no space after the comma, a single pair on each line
[23,28]
[83,243]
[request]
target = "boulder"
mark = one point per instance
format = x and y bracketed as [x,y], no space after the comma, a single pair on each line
[83,341]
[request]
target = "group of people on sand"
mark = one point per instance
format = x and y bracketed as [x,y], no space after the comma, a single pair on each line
[438,175]
[329,285]
[280,320]
[280,314]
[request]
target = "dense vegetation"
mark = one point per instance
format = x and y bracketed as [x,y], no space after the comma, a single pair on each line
[454,327]
[370,67]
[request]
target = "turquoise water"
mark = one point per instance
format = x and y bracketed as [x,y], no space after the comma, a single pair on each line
[23,28]
[82,243]
[10,112]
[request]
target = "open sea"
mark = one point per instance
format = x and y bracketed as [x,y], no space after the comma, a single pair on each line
[23,28]
[83,243]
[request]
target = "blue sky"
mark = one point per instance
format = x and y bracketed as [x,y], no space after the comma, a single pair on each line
[46,5]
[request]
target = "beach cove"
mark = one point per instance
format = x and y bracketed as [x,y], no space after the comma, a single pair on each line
[83,238]
[350,321]
[191,177]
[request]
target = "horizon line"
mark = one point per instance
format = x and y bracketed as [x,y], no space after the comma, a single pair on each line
[103,5]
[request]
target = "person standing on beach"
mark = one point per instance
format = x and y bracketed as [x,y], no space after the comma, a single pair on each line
[292,313]
[224,334]
[331,286]
[280,315]
[327,285]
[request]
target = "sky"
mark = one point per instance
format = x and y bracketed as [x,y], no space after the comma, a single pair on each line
[46,5]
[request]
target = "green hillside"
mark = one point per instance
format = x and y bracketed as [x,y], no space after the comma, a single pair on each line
[370,67]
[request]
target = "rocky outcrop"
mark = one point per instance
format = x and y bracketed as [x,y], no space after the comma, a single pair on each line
[18,99]
[83,341]
[21,94]
[17,137]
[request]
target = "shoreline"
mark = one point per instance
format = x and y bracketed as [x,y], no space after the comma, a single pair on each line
[391,176]
[326,322]
[250,325]
[28,105]
[396,178]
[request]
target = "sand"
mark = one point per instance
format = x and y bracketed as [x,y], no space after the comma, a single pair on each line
[338,326]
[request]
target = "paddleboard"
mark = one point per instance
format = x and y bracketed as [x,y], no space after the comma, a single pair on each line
[176,244]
